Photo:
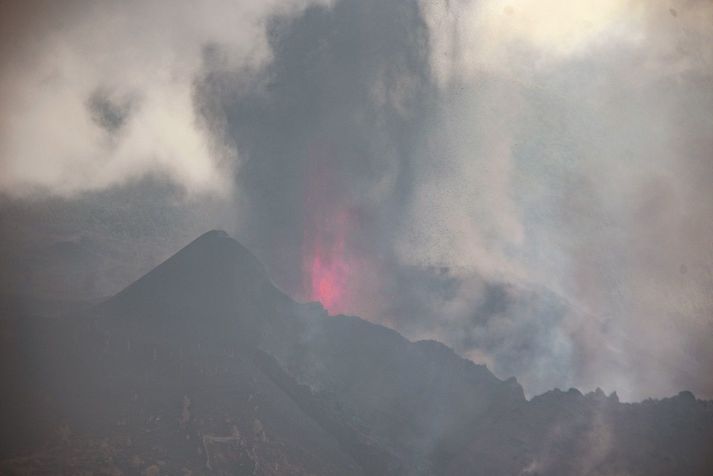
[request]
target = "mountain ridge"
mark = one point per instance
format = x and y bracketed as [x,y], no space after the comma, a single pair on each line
[202,365]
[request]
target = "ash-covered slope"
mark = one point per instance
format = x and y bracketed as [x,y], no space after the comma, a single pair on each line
[567,433]
[163,377]
[213,277]
[400,397]
[203,366]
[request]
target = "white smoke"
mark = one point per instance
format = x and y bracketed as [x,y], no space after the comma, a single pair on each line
[104,93]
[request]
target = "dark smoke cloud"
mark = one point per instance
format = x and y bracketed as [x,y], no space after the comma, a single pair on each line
[329,129]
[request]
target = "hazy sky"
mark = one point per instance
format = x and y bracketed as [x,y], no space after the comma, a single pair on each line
[528,181]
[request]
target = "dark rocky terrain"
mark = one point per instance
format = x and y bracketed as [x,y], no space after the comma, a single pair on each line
[204,367]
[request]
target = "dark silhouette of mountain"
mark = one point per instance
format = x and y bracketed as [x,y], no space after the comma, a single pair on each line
[202,366]
[213,275]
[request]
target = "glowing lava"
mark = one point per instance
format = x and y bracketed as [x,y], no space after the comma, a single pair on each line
[328,266]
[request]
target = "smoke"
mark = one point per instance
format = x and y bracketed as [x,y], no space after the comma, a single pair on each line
[599,115]
[102,92]
[469,146]
[328,133]
[525,181]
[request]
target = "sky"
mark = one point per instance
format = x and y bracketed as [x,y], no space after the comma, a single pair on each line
[526,181]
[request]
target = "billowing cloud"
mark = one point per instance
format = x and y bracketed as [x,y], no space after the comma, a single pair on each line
[601,110]
[525,36]
[103,92]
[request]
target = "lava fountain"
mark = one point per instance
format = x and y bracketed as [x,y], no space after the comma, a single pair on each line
[331,268]
[328,267]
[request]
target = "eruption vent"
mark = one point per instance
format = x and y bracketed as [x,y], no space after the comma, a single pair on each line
[327,265]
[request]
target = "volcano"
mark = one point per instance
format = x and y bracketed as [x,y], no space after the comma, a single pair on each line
[203,366]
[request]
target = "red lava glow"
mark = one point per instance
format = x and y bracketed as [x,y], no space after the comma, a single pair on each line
[328,266]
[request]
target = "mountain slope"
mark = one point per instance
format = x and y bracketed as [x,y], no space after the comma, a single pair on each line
[202,366]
